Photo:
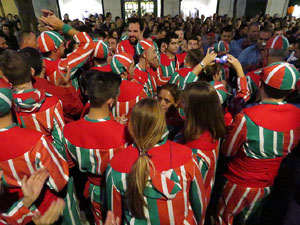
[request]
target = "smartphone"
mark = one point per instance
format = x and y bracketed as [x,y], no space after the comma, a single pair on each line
[221,59]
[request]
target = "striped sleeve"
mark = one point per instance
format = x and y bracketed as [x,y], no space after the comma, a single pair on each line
[236,136]
[18,214]
[190,78]
[159,79]
[174,78]
[197,194]
[59,123]
[47,156]
[243,90]
[76,59]
[113,195]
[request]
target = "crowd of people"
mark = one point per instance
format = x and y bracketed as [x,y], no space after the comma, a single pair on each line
[149,121]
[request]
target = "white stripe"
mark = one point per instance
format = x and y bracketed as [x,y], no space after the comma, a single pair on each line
[115,66]
[170,211]
[124,57]
[293,75]
[111,153]
[51,33]
[14,172]
[69,209]
[228,197]
[274,41]
[36,123]
[132,221]
[235,136]
[273,72]
[44,42]
[62,123]
[207,159]
[91,151]
[118,109]
[81,57]
[241,200]
[184,181]
[291,140]
[252,205]
[146,211]
[48,119]
[142,41]
[275,143]
[127,108]
[99,161]
[66,177]
[261,141]
[78,153]
[97,48]
[123,179]
[28,162]
[15,209]
[6,99]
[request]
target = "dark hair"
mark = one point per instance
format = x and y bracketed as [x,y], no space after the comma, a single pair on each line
[170,36]
[227,29]
[193,37]
[15,67]
[100,33]
[102,86]
[194,57]
[34,58]
[274,92]
[203,111]
[207,74]
[173,89]
[137,20]
[21,35]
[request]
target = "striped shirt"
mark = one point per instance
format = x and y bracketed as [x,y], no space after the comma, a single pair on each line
[182,77]
[174,193]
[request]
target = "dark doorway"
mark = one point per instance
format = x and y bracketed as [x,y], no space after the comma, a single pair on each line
[255,7]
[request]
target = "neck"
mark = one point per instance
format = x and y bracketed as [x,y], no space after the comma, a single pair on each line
[6,120]
[54,56]
[265,98]
[274,59]
[99,113]
[170,55]
[99,64]
[142,63]
[25,86]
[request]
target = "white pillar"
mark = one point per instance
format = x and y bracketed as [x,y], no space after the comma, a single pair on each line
[277,7]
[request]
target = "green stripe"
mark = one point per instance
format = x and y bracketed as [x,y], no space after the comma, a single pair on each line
[252,138]
[153,211]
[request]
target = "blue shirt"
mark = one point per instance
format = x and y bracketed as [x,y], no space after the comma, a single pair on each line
[249,56]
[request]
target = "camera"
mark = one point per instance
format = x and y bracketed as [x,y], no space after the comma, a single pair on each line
[221,59]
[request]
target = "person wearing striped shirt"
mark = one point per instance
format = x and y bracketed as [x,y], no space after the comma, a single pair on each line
[51,45]
[37,110]
[93,140]
[23,152]
[147,71]
[259,138]
[130,92]
[154,180]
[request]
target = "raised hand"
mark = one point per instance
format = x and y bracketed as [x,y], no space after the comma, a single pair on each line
[236,65]
[32,187]
[209,58]
[51,21]
[64,81]
[51,215]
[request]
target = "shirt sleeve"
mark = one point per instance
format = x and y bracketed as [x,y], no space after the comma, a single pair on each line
[47,156]
[197,194]
[59,123]
[113,195]
[243,90]
[236,137]
[18,214]
[76,59]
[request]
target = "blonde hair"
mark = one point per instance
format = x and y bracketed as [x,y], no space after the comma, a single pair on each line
[147,125]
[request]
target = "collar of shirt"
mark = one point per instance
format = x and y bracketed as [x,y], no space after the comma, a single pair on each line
[96,120]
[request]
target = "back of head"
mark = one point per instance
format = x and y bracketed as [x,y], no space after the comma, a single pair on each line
[279,79]
[209,72]
[34,58]
[22,35]
[147,125]
[203,111]
[194,57]
[15,67]
[102,86]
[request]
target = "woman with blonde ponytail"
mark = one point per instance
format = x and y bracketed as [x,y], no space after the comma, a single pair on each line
[154,181]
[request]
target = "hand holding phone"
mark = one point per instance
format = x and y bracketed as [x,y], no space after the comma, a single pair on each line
[221,59]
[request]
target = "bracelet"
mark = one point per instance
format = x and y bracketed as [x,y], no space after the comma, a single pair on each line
[201,63]
[66,28]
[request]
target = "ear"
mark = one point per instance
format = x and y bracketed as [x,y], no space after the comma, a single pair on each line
[32,71]
[110,102]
